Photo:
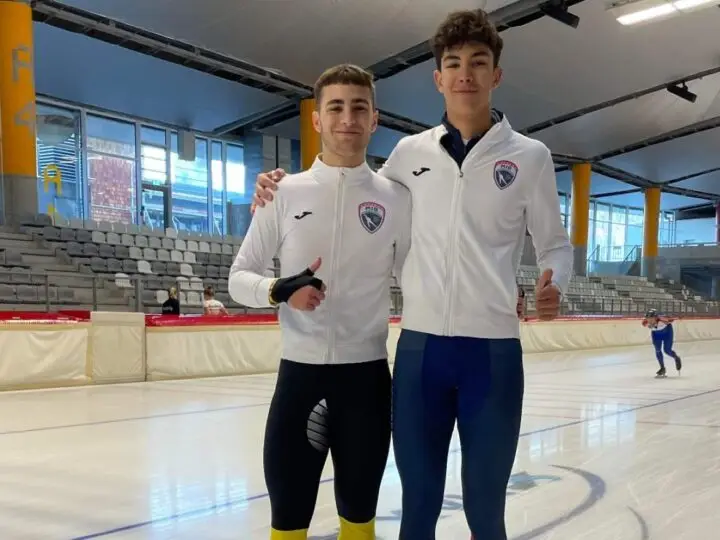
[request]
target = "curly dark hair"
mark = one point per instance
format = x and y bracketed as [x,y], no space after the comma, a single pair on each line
[462,27]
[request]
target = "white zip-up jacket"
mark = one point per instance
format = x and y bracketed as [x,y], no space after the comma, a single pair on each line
[468,229]
[359,224]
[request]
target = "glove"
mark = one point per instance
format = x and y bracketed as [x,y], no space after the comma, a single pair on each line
[284,288]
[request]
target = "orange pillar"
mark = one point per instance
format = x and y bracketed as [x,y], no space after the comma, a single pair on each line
[309,138]
[651,231]
[580,215]
[17,109]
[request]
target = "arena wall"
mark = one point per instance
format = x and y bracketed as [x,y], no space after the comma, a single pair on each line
[81,348]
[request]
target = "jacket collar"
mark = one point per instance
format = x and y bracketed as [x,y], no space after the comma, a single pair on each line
[325,173]
[452,141]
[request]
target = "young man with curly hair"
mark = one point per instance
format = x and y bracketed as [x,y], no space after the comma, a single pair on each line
[476,186]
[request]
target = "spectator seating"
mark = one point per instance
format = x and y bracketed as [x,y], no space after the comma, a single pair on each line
[75,263]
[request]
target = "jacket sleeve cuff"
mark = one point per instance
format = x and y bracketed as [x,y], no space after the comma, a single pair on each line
[262,292]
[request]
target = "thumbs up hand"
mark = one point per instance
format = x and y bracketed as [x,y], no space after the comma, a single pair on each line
[547,297]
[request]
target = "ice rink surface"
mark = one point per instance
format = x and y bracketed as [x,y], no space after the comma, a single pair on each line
[606,452]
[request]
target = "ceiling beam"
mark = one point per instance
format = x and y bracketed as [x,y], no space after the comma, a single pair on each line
[172,50]
[691,176]
[118,33]
[615,193]
[699,127]
[518,13]
[545,124]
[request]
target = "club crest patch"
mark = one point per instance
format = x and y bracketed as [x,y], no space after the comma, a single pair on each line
[372,216]
[504,173]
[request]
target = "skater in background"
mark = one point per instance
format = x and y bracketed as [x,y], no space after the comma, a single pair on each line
[661,330]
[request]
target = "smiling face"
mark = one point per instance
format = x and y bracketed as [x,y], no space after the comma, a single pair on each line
[467,50]
[466,78]
[345,118]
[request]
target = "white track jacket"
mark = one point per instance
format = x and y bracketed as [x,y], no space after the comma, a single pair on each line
[359,223]
[468,226]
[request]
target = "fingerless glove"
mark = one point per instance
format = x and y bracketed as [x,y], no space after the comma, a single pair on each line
[284,288]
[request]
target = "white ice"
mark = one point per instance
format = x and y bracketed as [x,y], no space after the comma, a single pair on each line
[607,452]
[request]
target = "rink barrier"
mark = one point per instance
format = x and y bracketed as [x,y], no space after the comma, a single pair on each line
[80,348]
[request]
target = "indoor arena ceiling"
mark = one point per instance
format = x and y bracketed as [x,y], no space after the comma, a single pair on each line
[596,92]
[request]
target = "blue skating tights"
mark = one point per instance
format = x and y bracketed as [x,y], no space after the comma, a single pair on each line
[478,383]
[663,340]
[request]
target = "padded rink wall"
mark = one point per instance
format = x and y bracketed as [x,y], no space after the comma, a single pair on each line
[81,348]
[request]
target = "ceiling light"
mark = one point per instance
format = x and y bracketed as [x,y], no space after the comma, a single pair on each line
[630,12]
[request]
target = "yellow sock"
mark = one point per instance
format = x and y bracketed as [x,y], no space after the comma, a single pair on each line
[288,535]
[356,531]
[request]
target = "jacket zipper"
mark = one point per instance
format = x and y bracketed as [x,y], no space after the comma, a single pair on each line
[336,243]
[450,263]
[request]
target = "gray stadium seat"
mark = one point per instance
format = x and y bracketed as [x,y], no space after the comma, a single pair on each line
[114,266]
[98,265]
[106,251]
[122,252]
[113,238]
[83,236]
[173,268]
[74,249]
[51,233]
[130,267]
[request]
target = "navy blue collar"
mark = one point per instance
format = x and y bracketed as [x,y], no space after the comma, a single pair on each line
[452,141]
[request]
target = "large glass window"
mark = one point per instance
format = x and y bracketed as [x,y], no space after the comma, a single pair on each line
[634,232]
[190,188]
[101,167]
[618,249]
[111,169]
[217,172]
[236,175]
[60,186]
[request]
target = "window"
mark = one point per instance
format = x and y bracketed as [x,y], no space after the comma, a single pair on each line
[60,191]
[238,216]
[236,175]
[618,218]
[189,187]
[111,169]
[217,173]
[634,233]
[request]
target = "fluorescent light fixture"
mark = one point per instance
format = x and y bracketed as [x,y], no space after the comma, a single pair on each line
[630,12]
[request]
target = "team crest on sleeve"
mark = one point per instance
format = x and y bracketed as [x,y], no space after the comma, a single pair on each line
[504,173]
[372,216]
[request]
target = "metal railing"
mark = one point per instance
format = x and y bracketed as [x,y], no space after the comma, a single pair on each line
[48,291]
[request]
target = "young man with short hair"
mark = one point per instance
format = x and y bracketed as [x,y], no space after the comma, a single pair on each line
[476,186]
[334,386]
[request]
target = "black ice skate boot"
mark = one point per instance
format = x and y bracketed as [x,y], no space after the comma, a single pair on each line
[660,373]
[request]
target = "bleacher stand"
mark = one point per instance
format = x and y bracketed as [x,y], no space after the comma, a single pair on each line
[76,264]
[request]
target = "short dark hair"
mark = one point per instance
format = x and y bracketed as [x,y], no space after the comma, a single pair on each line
[462,27]
[344,74]
[209,291]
